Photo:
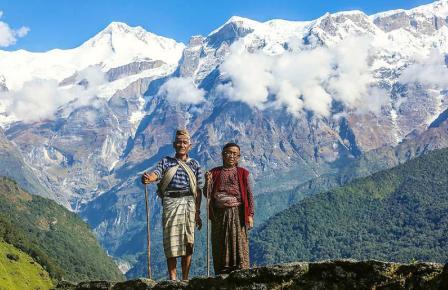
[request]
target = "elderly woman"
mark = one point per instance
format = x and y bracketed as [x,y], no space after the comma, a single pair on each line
[179,187]
[231,212]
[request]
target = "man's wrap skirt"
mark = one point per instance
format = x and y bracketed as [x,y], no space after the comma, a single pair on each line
[178,225]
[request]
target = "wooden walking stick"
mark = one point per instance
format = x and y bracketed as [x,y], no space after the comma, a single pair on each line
[208,226]
[149,233]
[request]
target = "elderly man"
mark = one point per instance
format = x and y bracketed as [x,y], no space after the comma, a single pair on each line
[231,212]
[179,187]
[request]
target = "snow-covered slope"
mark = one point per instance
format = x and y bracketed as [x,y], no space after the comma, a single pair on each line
[117,45]
[107,63]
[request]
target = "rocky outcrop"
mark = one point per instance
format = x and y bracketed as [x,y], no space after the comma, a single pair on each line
[340,274]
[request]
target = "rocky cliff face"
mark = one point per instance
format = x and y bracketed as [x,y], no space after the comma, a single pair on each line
[337,275]
[14,165]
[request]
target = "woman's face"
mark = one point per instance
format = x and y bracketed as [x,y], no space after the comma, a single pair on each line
[230,156]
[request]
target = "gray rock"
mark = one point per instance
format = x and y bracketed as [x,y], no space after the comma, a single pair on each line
[338,275]
[444,278]
[132,69]
[100,285]
[138,284]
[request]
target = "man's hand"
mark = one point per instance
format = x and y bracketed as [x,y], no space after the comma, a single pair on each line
[208,182]
[145,178]
[251,223]
[198,221]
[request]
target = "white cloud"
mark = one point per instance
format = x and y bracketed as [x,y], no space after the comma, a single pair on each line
[36,100]
[430,71]
[22,31]
[305,79]
[40,99]
[8,36]
[250,75]
[182,90]
[287,95]
[86,88]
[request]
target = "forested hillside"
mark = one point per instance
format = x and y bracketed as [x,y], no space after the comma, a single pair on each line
[394,215]
[53,236]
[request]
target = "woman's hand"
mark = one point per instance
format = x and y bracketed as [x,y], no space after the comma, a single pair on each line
[251,223]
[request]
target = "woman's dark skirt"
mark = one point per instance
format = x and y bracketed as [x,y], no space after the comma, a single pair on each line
[230,244]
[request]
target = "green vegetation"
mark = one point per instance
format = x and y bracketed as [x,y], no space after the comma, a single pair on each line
[54,237]
[19,271]
[394,215]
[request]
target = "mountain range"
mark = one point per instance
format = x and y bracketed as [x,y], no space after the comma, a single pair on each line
[304,99]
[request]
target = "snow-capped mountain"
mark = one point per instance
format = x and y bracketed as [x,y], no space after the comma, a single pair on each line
[301,98]
[117,45]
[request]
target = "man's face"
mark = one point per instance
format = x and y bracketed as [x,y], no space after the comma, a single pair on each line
[230,156]
[182,145]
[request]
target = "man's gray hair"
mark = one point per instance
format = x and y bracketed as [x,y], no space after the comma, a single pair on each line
[182,132]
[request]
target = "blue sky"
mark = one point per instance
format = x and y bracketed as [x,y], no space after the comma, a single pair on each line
[67,23]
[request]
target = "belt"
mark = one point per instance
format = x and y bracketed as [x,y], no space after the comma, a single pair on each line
[178,193]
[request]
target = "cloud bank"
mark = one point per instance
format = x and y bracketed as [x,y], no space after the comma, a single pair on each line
[430,71]
[40,99]
[303,80]
[9,36]
[182,91]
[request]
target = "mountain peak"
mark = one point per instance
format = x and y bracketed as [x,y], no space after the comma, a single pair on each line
[240,22]
[340,16]
[425,19]
[240,19]
[333,27]
[349,13]
[436,8]
[128,42]
[118,26]
[439,8]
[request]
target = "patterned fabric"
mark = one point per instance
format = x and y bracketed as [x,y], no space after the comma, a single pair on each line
[228,194]
[178,226]
[180,180]
[230,244]
[247,186]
